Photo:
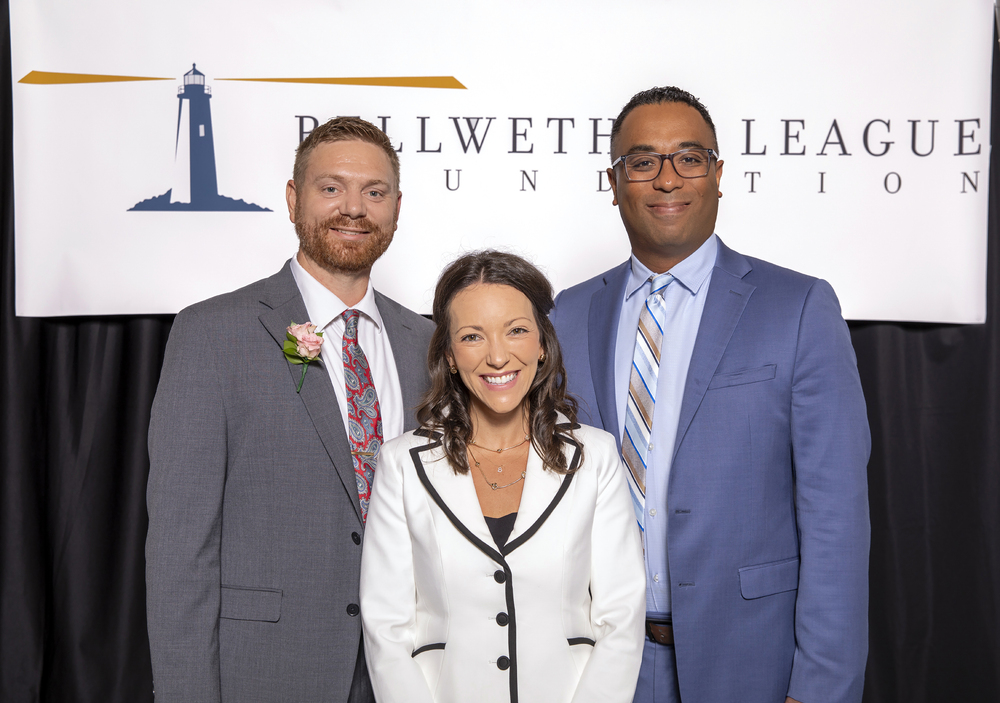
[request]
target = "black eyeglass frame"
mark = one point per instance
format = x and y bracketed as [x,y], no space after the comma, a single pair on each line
[712,154]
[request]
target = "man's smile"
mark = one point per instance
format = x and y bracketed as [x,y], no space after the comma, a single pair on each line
[672,207]
[352,233]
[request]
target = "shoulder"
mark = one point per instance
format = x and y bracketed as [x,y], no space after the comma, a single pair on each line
[402,446]
[792,310]
[776,289]
[598,446]
[389,308]
[581,293]
[278,288]
[591,436]
[766,273]
[798,294]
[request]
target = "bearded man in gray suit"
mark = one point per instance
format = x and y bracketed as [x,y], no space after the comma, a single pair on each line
[258,480]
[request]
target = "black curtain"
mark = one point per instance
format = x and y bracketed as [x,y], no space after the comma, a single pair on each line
[75,395]
[933,395]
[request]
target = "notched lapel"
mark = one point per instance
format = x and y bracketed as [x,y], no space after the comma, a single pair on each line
[454,493]
[542,492]
[324,411]
[317,392]
[540,486]
[727,298]
[605,311]
[406,356]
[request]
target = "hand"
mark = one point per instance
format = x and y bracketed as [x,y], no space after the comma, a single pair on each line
[790,700]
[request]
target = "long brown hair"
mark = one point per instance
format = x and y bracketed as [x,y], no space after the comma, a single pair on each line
[445,408]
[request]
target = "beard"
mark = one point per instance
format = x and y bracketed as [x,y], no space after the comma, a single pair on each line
[337,255]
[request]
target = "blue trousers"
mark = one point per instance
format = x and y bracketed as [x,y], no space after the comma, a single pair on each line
[658,675]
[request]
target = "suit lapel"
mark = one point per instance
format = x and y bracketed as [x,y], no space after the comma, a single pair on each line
[455,494]
[727,297]
[285,304]
[410,359]
[542,492]
[605,311]
[540,487]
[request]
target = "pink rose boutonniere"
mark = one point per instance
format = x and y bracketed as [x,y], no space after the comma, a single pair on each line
[302,346]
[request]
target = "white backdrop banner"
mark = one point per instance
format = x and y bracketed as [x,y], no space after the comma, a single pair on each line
[855,136]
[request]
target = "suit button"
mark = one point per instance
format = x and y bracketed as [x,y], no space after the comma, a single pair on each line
[356,537]
[502,619]
[499,576]
[503,663]
[353,609]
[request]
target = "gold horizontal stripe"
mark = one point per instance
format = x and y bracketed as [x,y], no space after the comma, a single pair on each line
[393,82]
[47,78]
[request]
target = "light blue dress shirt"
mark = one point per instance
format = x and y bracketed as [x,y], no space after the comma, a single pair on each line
[685,301]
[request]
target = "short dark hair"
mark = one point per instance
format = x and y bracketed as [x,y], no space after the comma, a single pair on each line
[343,129]
[656,96]
[446,406]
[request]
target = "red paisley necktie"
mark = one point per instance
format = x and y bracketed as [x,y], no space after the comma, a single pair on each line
[364,419]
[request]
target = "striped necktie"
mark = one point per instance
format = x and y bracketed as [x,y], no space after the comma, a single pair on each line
[642,392]
[364,418]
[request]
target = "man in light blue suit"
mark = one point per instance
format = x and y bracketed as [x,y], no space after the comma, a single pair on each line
[744,430]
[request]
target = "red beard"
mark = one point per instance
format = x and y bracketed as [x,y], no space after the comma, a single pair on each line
[337,255]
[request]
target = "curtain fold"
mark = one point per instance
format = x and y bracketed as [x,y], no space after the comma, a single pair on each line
[75,396]
[933,394]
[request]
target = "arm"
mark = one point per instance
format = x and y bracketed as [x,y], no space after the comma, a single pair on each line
[618,587]
[388,595]
[187,451]
[830,448]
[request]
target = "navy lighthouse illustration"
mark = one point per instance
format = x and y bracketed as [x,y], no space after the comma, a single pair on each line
[195,186]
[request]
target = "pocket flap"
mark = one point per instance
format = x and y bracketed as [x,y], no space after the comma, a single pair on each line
[768,579]
[240,603]
[738,378]
[427,648]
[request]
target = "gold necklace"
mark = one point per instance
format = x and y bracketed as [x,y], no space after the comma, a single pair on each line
[502,449]
[489,483]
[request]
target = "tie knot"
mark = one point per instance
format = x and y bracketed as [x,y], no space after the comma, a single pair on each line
[660,282]
[351,319]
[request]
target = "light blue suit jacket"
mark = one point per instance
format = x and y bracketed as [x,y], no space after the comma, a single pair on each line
[768,528]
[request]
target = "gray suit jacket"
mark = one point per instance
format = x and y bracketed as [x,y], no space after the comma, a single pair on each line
[254,547]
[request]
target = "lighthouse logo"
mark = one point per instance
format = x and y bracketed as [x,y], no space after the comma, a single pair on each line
[195,186]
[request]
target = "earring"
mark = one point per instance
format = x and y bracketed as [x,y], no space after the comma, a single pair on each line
[541,358]
[454,369]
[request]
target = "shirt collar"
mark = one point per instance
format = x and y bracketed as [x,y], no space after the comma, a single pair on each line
[691,273]
[324,307]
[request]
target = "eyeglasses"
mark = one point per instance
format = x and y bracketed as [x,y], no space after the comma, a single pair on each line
[646,166]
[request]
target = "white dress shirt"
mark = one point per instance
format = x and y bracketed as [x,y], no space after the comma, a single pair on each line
[325,310]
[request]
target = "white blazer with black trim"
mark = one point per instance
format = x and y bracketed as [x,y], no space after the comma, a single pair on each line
[556,615]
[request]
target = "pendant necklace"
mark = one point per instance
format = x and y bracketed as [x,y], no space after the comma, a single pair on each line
[495,486]
[501,449]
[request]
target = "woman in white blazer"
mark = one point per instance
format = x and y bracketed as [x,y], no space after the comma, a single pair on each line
[502,560]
